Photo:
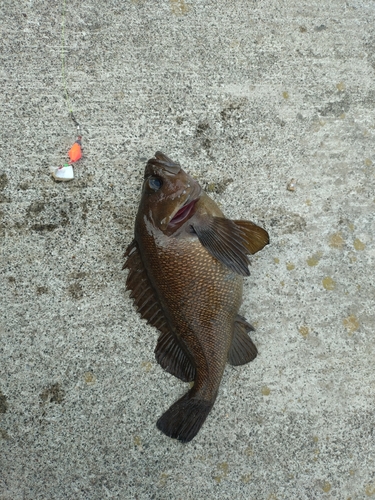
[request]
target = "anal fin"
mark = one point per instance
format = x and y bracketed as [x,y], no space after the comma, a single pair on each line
[243,349]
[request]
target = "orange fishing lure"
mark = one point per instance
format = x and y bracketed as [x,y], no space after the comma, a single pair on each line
[75,152]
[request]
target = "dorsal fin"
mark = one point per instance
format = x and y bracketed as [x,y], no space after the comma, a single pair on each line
[141,289]
[170,355]
[169,352]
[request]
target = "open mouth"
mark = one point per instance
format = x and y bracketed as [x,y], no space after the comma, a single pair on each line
[183,213]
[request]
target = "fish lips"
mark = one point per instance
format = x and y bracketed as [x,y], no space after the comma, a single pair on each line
[185,212]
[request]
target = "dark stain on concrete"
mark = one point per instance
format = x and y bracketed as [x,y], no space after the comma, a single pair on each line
[35,208]
[40,290]
[85,209]
[287,222]
[4,434]
[336,108]
[78,275]
[64,218]
[75,290]
[202,133]
[53,394]
[40,228]
[218,187]
[3,403]
[233,109]
[3,181]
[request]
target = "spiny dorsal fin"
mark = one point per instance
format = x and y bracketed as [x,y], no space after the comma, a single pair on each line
[141,289]
[169,353]
[242,350]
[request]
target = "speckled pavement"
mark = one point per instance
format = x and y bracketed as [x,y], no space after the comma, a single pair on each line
[247,95]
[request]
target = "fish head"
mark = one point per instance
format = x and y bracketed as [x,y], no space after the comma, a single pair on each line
[169,194]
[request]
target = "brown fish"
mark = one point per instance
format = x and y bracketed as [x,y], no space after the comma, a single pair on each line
[186,264]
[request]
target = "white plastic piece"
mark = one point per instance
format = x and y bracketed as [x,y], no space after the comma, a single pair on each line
[64,173]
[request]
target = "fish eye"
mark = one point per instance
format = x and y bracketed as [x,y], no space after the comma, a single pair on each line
[155,183]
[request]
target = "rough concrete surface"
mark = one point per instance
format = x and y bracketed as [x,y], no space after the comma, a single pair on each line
[247,95]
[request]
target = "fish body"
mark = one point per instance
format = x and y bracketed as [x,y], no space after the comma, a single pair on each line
[186,266]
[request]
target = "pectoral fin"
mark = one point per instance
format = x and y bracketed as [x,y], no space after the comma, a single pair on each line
[231,241]
[224,240]
[255,237]
[242,350]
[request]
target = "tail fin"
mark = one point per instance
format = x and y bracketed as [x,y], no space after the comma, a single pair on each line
[184,418]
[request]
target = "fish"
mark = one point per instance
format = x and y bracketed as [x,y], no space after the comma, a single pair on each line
[186,266]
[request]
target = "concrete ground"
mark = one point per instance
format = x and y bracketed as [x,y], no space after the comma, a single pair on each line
[247,95]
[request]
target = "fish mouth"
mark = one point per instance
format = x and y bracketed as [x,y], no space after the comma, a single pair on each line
[183,213]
